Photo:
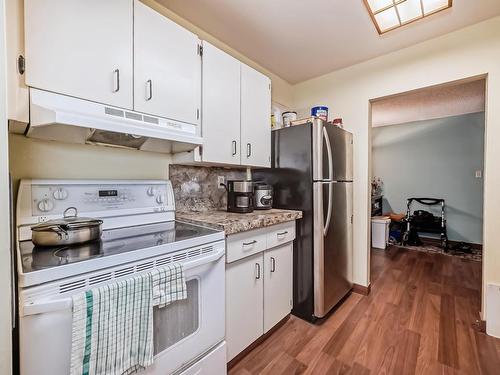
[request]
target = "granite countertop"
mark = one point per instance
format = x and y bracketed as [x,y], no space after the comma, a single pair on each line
[232,223]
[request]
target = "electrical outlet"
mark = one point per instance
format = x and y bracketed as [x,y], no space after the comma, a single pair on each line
[479,173]
[221,180]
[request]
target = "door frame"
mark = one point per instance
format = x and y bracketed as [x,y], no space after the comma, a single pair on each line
[370,168]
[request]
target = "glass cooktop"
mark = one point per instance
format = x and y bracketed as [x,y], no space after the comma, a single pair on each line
[112,242]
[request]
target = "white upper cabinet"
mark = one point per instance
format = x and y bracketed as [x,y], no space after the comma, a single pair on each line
[221,106]
[81,48]
[255,118]
[167,67]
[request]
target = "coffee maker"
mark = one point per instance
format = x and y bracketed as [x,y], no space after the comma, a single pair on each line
[240,196]
[263,196]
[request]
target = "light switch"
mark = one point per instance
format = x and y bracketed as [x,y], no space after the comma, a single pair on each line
[479,173]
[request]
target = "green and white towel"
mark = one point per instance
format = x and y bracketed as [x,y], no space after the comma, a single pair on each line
[112,331]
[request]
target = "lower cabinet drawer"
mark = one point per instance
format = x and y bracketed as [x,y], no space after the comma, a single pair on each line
[280,234]
[244,244]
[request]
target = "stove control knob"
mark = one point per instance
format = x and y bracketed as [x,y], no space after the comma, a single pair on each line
[60,194]
[151,191]
[160,199]
[45,205]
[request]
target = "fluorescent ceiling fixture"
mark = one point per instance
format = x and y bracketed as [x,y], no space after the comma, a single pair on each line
[388,15]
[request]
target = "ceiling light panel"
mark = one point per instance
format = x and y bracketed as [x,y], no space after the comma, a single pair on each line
[390,14]
[377,5]
[432,6]
[387,19]
[410,10]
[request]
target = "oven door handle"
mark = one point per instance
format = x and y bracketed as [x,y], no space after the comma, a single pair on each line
[41,307]
[46,306]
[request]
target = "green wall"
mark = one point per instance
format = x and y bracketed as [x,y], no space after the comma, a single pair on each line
[435,158]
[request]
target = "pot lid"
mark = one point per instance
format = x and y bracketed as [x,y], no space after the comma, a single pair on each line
[68,221]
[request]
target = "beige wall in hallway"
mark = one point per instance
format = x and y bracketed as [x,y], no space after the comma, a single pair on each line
[469,52]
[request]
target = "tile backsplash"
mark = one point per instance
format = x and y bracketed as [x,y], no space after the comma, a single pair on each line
[195,188]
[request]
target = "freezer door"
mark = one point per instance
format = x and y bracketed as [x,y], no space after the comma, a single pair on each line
[332,152]
[332,244]
[341,143]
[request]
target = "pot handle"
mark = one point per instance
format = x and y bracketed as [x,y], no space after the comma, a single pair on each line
[66,212]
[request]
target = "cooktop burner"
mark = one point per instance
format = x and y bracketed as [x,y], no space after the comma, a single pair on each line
[113,242]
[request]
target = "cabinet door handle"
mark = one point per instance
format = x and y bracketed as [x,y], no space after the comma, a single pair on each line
[149,90]
[234,147]
[273,264]
[116,75]
[282,233]
[257,271]
[249,150]
[249,243]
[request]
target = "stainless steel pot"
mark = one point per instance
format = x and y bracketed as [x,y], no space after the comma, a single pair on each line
[68,230]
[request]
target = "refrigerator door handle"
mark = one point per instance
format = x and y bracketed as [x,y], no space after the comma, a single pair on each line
[329,152]
[329,212]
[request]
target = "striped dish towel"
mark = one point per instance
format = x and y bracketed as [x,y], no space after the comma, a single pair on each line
[112,331]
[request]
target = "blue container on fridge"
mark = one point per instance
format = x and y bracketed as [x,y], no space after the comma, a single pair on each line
[320,111]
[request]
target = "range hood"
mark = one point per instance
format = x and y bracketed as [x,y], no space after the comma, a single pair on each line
[67,119]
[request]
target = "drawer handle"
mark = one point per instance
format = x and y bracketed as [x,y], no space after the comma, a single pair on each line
[257,271]
[273,264]
[249,243]
[282,233]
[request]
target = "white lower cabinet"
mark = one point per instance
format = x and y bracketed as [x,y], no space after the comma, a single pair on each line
[277,284]
[244,303]
[258,284]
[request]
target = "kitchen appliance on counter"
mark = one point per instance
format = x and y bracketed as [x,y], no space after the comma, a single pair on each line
[240,197]
[263,196]
[312,172]
[139,233]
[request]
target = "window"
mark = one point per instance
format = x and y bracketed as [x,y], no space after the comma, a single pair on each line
[388,15]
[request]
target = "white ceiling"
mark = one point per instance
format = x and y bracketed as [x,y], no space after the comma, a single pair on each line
[298,39]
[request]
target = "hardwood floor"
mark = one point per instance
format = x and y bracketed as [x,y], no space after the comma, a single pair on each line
[420,318]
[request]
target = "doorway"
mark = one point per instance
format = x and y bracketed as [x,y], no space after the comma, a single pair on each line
[429,144]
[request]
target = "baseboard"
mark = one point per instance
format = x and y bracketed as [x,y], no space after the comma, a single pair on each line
[437,242]
[360,289]
[256,343]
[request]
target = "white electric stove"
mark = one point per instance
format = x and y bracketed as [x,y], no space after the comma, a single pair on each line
[139,233]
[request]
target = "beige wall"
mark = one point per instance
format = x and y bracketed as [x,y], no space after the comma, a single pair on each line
[430,103]
[472,51]
[5,284]
[33,158]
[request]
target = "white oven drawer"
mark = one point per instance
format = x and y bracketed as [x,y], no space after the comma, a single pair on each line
[242,245]
[281,234]
[213,363]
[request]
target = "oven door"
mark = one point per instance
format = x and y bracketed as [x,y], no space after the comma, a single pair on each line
[184,331]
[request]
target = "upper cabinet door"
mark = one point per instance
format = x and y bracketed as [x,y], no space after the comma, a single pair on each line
[255,118]
[81,48]
[221,106]
[167,67]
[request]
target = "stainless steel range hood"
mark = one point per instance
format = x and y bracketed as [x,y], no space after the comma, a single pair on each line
[67,119]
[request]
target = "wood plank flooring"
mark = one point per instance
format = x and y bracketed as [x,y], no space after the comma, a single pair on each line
[419,319]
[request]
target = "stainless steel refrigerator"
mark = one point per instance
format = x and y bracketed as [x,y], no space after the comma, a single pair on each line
[312,172]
